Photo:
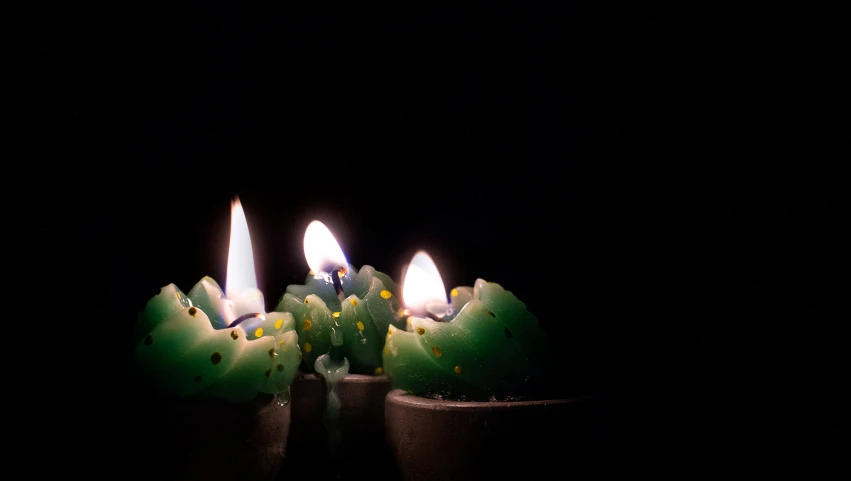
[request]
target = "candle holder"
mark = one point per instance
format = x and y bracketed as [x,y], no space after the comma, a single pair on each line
[474,393]
[469,440]
[207,439]
[363,448]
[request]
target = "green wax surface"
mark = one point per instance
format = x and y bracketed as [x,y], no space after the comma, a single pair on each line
[491,346]
[183,353]
[362,318]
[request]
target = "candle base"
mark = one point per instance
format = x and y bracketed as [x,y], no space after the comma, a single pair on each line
[363,446]
[465,440]
[208,439]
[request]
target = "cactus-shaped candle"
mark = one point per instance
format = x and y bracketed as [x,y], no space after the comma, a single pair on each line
[481,343]
[341,316]
[219,344]
[341,307]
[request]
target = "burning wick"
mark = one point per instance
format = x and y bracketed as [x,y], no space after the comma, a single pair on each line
[243,317]
[336,273]
[406,313]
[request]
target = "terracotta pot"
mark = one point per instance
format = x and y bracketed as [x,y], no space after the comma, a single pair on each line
[458,440]
[364,449]
[208,439]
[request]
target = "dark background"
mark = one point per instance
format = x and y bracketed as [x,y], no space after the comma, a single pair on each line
[659,185]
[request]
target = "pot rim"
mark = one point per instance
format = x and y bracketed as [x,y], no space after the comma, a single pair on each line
[350,378]
[405,399]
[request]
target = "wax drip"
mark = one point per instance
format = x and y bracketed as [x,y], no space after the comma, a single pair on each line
[333,366]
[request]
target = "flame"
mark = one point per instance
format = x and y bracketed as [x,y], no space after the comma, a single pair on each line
[240,275]
[321,250]
[422,288]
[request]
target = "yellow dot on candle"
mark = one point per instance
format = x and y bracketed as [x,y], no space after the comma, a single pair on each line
[216,358]
[386,350]
[436,351]
[258,332]
[360,326]
[272,353]
[268,372]
[279,323]
[307,301]
[420,331]
[307,325]
[234,335]
[149,340]
[197,378]
[193,311]
[379,371]
[280,367]
[386,294]
[354,301]
[454,292]
[311,272]
[458,370]
[281,342]
[389,330]
[335,315]
[307,347]
[178,295]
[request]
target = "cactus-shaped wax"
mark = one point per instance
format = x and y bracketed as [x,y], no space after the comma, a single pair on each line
[340,305]
[490,348]
[482,343]
[210,343]
[182,352]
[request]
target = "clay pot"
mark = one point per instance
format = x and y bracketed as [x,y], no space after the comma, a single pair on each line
[364,450]
[460,440]
[208,439]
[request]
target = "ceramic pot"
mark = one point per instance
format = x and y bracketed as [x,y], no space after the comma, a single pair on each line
[208,439]
[363,445]
[459,440]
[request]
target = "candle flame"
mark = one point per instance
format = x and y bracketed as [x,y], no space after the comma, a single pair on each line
[422,287]
[240,275]
[321,250]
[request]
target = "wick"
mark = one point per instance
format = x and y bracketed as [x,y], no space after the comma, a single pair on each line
[407,313]
[338,285]
[244,317]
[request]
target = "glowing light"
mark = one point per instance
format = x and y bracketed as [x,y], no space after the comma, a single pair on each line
[321,250]
[422,287]
[240,276]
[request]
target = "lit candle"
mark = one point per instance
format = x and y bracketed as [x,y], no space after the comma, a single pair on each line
[480,343]
[221,344]
[340,306]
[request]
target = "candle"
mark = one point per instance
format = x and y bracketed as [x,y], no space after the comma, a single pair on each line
[480,343]
[341,307]
[215,343]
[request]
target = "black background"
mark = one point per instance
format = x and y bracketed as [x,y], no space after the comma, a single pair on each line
[660,185]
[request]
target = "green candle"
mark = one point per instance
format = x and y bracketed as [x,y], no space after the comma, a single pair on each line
[218,344]
[340,305]
[481,343]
